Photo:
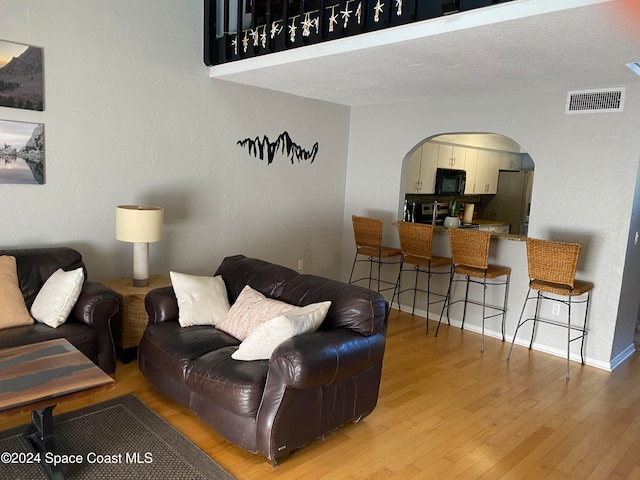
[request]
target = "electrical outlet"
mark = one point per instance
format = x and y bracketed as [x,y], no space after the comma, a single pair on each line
[300,264]
[555,309]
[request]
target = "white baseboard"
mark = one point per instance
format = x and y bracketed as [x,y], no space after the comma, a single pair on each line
[608,366]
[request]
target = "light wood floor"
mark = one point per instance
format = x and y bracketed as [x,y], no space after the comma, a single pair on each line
[447,411]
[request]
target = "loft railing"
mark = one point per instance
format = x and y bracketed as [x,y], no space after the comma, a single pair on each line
[238,29]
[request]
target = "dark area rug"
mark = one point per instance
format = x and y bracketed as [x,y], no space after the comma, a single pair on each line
[139,444]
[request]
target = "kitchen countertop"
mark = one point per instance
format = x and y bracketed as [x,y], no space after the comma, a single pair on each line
[494,235]
[481,221]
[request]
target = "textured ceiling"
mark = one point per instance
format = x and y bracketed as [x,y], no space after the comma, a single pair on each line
[489,51]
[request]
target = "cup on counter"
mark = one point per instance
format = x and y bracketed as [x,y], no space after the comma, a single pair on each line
[467,216]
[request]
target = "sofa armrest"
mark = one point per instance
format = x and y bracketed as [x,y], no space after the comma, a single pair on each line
[161,305]
[326,357]
[95,307]
[317,382]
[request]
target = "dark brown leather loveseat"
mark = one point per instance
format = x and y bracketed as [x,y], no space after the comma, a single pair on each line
[312,383]
[87,328]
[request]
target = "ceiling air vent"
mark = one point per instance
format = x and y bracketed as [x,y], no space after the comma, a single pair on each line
[602,100]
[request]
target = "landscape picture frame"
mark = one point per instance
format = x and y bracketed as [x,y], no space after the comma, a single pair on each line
[22,159]
[21,76]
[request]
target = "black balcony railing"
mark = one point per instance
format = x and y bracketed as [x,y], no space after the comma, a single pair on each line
[238,29]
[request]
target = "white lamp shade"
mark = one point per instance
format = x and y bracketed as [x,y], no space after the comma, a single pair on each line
[139,223]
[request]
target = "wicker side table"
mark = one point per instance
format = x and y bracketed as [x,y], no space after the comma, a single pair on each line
[128,326]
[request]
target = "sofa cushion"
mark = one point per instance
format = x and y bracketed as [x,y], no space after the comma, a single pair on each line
[250,309]
[78,334]
[57,297]
[262,341]
[202,300]
[267,278]
[234,386]
[173,347]
[13,311]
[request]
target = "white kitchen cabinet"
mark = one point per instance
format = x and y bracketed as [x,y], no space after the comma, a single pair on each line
[510,161]
[450,156]
[421,169]
[430,152]
[412,178]
[482,172]
[486,181]
[470,166]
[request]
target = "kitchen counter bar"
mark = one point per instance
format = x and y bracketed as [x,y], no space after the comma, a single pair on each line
[494,235]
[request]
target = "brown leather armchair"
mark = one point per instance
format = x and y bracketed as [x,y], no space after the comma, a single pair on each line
[311,385]
[88,328]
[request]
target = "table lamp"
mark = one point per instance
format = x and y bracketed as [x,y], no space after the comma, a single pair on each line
[139,224]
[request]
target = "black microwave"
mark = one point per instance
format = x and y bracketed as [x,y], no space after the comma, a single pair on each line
[450,182]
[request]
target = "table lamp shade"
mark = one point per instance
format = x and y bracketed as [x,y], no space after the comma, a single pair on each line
[139,223]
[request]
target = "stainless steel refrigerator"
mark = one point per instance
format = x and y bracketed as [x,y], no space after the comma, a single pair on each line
[512,201]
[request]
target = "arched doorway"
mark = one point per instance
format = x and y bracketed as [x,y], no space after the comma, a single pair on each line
[497,176]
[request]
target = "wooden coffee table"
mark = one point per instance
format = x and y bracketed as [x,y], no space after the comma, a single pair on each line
[36,378]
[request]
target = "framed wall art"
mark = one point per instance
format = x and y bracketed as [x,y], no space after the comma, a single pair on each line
[21,76]
[21,152]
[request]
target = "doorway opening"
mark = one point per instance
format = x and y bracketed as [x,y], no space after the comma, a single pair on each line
[497,175]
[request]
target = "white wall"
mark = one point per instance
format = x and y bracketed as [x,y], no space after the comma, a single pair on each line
[132,117]
[583,192]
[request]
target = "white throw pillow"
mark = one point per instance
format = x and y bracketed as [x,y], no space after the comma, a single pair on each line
[250,309]
[202,300]
[57,297]
[262,341]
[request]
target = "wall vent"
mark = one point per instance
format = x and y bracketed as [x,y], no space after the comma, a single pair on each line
[601,100]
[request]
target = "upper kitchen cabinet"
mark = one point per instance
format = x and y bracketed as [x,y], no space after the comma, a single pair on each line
[452,156]
[471,167]
[510,161]
[412,175]
[430,154]
[482,171]
[421,169]
[487,172]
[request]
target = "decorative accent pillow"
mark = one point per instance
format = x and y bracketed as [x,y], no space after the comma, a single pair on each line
[250,309]
[262,341]
[13,311]
[202,300]
[57,297]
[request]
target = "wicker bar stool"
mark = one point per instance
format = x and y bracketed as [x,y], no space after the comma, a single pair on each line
[416,241]
[470,254]
[368,237]
[552,270]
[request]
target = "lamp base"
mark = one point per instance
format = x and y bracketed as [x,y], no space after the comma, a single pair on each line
[140,264]
[138,282]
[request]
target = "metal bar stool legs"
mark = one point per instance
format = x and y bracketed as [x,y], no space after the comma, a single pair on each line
[569,325]
[470,252]
[446,302]
[552,268]
[415,243]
